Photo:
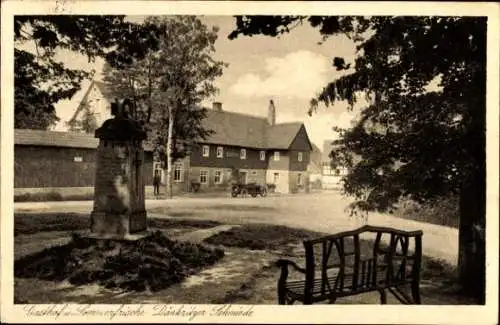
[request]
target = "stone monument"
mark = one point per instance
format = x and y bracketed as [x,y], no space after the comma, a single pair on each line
[119,199]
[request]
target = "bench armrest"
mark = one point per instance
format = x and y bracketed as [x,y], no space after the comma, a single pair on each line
[283,264]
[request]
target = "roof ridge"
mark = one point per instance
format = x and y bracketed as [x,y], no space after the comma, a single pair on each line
[237,113]
[288,123]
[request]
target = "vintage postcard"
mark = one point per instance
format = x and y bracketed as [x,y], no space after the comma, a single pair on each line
[249,162]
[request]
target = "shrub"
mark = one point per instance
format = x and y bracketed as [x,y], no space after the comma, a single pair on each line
[51,196]
[442,211]
[271,187]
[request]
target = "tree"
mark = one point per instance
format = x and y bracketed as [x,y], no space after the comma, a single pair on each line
[40,80]
[410,141]
[87,123]
[169,84]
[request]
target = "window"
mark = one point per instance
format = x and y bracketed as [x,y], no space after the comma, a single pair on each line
[177,173]
[262,155]
[276,155]
[243,154]
[299,156]
[220,152]
[218,177]
[157,169]
[276,178]
[206,151]
[204,176]
[299,179]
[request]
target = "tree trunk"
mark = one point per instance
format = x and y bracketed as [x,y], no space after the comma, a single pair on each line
[471,259]
[169,152]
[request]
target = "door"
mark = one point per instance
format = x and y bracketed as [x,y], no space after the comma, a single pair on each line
[243,177]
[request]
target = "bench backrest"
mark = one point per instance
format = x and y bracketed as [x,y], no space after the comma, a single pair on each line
[343,261]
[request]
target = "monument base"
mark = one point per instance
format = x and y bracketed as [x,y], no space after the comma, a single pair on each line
[109,225]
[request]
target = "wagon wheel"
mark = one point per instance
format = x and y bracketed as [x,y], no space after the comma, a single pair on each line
[235,191]
[263,192]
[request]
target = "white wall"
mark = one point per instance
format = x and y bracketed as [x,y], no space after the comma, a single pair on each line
[283,185]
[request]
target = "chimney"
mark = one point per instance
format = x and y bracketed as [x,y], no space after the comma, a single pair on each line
[217,106]
[271,114]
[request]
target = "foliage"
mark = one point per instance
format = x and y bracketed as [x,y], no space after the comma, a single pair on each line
[409,141]
[176,75]
[87,123]
[422,134]
[41,80]
[440,211]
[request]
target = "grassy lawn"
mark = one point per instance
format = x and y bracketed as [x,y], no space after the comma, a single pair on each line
[245,275]
[261,237]
[31,223]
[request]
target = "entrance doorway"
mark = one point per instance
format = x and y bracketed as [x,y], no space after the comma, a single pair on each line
[243,177]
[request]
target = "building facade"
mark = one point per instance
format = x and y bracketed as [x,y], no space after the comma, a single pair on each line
[331,177]
[243,148]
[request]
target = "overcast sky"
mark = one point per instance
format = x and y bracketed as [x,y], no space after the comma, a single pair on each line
[289,70]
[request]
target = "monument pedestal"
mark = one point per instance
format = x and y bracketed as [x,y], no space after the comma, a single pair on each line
[119,200]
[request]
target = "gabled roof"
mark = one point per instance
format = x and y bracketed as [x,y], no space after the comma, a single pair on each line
[236,129]
[241,130]
[281,136]
[58,139]
[102,88]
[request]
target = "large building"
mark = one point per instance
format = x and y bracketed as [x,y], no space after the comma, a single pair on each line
[256,149]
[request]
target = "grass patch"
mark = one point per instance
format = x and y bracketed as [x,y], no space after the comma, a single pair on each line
[52,196]
[271,237]
[260,236]
[153,263]
[30,223]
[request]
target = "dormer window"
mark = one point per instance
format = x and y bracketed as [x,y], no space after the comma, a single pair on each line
[243,154]
[262,155]
[206,151]
[276,155]
[299,156]
[220,152]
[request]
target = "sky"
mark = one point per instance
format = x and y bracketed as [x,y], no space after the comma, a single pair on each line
[290,70]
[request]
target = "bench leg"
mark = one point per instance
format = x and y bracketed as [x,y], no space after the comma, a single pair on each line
[383,297]
[281,297]
[415,293]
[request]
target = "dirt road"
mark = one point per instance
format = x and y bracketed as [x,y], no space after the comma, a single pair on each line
[319,211]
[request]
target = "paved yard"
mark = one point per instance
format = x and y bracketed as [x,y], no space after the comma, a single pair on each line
[323,211]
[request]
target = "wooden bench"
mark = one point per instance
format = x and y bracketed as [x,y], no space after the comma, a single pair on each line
[349,270]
